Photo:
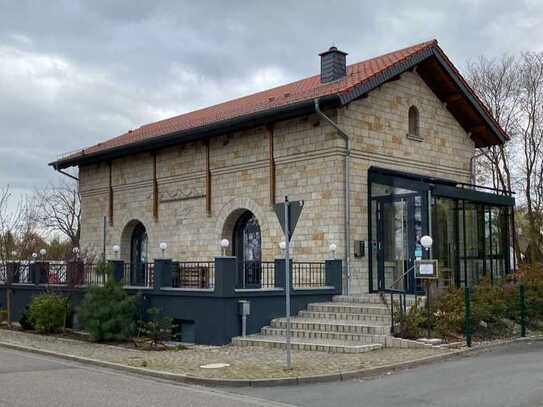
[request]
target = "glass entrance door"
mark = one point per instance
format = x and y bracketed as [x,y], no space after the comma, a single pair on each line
[396,242]
[248,250]
[138,256]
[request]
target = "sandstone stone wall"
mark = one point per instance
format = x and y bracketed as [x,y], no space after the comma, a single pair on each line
[309,160]
[379,127]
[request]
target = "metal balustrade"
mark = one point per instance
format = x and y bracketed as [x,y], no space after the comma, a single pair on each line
[56,273]
[193,274]
[23,275]
[184,274]
[93,275]
[255,274]
[308,275]
[3,273]
[138,275]
[17,272]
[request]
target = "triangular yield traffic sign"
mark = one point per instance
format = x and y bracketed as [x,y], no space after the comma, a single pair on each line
[294,212]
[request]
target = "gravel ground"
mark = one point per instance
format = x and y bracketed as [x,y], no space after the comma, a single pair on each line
[245,362]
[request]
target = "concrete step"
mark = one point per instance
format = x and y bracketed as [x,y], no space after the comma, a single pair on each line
[375,298]
[359,299]
[329,325]
[386,340]
[410,299]
[348,324]
[337,336]
[306,344]
[343,307]
[347,316]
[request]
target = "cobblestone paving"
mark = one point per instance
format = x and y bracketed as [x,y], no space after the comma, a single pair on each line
[245,362]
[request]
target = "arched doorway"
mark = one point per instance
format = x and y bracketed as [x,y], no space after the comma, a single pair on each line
[138,255]
[247,247]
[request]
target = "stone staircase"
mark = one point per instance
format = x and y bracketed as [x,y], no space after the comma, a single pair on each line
[348,324]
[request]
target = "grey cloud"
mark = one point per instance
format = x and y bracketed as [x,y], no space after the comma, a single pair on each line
[79,72]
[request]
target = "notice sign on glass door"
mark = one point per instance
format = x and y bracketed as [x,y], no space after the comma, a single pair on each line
[426,268]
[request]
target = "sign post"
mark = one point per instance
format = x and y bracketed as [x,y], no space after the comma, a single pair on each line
[287,281]
[288,214]
[427,270]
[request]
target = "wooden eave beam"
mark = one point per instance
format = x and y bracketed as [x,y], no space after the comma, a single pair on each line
[207,178]
[155,187]
[453,98]
[271,163]
[110,195]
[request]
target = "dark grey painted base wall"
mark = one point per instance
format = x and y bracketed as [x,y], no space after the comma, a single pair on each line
[216,320]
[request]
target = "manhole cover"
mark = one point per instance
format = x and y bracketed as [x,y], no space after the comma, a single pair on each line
[214,365]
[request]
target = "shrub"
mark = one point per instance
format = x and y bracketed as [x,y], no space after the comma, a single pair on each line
[531,276]
[47,313]
[493,309]
[410,323]
[490,309]
[155,328]
[3,315]
[448,313]
[25,322]
[108,313]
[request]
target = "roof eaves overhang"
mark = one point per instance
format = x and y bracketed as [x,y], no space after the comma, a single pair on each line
[409,63]
[202,132]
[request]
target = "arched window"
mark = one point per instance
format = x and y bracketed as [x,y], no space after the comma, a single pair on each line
[414,127]
[134,250]
[247,247]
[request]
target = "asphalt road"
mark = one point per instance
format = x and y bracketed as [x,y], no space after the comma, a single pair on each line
[506,376]
[31,380]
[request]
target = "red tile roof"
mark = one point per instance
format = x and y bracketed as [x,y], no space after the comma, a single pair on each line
[279,97]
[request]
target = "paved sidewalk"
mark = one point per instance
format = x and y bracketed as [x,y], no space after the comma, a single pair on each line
[246,363]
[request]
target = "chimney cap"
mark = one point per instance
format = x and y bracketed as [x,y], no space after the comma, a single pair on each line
[333,48]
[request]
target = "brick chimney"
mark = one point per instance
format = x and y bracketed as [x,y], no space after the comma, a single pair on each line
[333,65]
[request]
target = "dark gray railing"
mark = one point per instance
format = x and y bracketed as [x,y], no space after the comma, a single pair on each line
[138,275]
[179,274]
[56,273]
[3,273]
[22,273]
[308,274]
[93,274]
[193,274]
[16,273]
[255,274]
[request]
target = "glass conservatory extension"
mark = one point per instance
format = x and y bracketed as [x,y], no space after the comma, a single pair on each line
[471,229]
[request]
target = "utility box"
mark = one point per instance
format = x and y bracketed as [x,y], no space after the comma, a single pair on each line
[244,308]
[359,248]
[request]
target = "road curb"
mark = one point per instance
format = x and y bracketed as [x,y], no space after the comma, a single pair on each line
[283,381]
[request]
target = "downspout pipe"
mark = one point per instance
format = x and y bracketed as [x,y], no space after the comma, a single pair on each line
[347,192]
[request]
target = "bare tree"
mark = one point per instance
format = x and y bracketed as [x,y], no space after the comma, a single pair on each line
[496,82]
[531,146]
[16,224]
[512,89]
[59,210]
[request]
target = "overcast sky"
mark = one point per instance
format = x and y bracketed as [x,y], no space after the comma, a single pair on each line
[73,73]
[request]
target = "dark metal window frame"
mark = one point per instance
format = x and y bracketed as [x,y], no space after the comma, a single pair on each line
[461,195]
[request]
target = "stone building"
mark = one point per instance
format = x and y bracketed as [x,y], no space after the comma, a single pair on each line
[380,152]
